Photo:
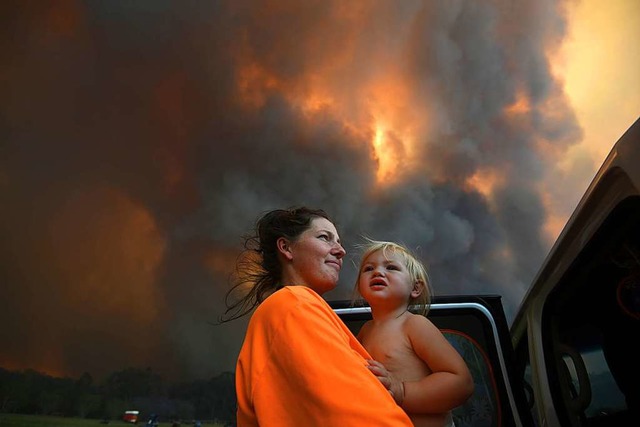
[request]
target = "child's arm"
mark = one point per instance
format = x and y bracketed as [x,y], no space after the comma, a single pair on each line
[449,385]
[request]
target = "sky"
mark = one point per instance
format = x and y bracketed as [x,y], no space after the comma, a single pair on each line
[141,140]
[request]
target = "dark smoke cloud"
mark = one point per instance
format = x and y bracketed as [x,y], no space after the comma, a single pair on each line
[136,151]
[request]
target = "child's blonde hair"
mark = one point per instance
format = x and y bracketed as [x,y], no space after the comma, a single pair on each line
[416,269]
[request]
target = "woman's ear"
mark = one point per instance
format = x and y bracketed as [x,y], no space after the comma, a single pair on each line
[284,248]
[418,288]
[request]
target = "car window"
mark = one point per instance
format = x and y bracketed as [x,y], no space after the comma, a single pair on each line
[590,320]
[483,408]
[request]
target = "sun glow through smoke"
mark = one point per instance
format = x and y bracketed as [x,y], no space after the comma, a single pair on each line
[382,156]
[484,182]
[392,146]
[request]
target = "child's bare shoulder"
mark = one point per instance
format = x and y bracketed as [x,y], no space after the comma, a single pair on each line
[417,322]
[367,324]
[364,329]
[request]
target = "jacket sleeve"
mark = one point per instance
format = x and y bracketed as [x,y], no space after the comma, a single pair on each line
[316,377]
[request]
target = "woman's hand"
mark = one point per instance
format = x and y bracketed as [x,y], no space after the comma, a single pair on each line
[391,383]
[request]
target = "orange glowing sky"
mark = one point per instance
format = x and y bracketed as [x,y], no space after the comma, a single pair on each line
[601,68]
[599,63]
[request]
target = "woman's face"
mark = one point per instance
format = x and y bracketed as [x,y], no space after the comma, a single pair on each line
[316,256]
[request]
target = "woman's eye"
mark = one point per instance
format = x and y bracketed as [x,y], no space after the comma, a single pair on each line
[324,237]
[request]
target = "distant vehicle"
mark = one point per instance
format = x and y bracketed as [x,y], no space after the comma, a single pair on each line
[571,357]
[131,416]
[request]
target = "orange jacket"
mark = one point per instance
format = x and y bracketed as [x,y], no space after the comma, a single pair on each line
[301,366]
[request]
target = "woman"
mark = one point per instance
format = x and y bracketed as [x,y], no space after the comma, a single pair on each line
[299,364]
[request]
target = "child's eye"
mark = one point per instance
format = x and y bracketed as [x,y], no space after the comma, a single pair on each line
[393,267]
[367,268]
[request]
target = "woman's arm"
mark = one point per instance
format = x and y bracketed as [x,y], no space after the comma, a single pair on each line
[314,373]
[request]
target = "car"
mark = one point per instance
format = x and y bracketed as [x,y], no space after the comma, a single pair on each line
[577,329]
[131,416]
[571,355]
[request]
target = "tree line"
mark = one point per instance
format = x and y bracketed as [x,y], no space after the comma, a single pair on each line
[32,392]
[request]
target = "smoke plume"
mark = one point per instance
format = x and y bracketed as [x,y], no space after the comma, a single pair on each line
[141,140]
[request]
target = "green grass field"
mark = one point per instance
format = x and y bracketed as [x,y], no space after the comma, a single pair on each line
[18,420]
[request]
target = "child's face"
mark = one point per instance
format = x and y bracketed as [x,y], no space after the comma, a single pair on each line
[386,280]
